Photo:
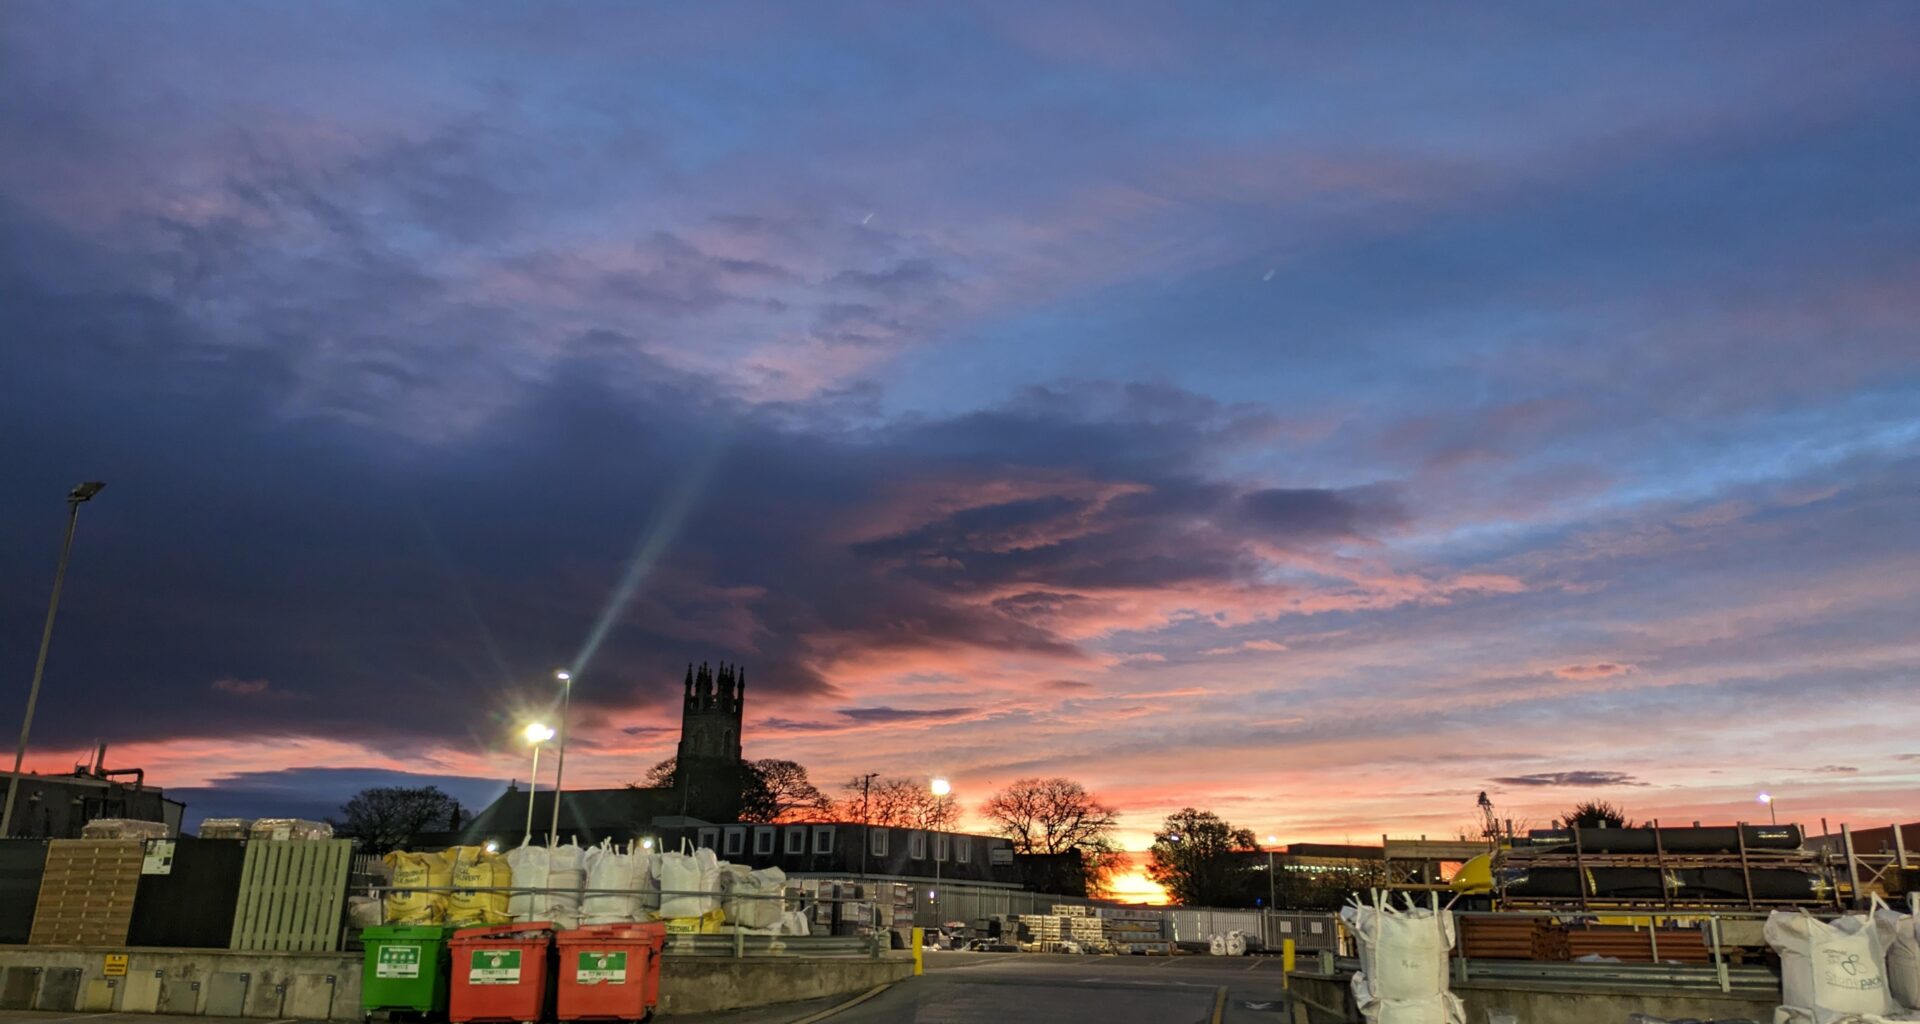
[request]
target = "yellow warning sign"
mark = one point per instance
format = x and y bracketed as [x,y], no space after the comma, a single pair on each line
[116,965]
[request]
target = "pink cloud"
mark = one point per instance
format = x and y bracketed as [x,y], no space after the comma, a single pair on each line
[1597,670]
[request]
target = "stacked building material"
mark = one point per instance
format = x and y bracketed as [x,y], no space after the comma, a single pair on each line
[1513,937]
[1134,930]
[1636,945]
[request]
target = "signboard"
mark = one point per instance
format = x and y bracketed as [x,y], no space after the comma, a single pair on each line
[116,965]
[595,968]
[398,962]
[494,967]
[1000,855]
[159,858]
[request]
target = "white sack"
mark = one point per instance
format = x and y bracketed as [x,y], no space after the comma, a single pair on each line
[1236,943]
[559,869]
[793,922]
[753,896]
[1403,953]
[687,882]
[1216,945]
[1830,971]
[1903,956]
[1444,1008]
[626,870]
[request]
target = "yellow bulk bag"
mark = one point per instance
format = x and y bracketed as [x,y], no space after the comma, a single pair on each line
[424,871]
[475,868]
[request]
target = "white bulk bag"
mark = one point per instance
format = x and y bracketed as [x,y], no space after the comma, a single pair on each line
[1403,953]
[1216,945]
[559,871]
[793,922]
[1236,943]
[1830,971]
[1444,1008]
[1903,956]
[625,872]
[753,899]
[687,881]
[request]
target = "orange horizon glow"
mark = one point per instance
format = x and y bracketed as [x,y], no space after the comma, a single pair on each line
[1135,887]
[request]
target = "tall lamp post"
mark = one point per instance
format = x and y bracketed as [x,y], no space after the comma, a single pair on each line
[75,499]
[560,766]
[1270,841]
[1772,814]
[940,788]
[536,734]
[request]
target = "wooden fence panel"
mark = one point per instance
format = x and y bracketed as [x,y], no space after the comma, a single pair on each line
[86,892]
[292,895]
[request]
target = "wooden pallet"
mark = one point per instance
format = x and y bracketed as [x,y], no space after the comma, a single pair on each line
[86,893]
[293,894]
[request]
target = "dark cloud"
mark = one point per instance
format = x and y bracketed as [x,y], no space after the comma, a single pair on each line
[884,715]
[315,794]
[1835,769]
[1295,513]
[1579,778]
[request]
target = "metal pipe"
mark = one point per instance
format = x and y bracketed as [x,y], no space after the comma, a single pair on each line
[80,494]
[533,786]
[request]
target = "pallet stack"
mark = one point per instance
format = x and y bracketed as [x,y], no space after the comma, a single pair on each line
[1044,933]
[1082,929]
[1131,930]
[86,894]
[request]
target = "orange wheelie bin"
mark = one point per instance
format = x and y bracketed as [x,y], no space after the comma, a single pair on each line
[609,972]
[500,973]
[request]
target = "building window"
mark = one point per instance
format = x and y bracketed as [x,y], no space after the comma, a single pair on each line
[823,839]
[962,850]
[796,840]
[917,846]
[763,842]
[877,841]
[709,839]
[736,841]
[940,846]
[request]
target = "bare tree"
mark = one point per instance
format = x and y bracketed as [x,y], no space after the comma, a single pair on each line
[901,803]
[387,817]
[1057,816]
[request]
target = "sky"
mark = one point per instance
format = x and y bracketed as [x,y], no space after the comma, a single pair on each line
[1315,414]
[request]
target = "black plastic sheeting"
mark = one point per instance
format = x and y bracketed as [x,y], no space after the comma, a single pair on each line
[192,905]
[22,863]
[1712,839]
[1719,884]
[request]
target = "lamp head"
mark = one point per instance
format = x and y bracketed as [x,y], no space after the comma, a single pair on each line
[1766,798]
[563,675]
[537,732]
[941,787]
[85,492]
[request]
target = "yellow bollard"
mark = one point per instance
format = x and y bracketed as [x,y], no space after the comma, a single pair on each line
[919,940]
[1286,962]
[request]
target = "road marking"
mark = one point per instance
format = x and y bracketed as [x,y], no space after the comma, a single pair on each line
[1219,1004]
[84,1016]
[848,1005]
[1169,963]
[1252,965]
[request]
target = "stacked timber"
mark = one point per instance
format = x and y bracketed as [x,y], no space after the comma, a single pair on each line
[1636,945]
[1134,930]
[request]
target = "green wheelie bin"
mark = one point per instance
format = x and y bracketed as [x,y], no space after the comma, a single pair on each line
[405,971]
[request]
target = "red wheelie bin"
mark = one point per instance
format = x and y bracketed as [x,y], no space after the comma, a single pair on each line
[609,972]
[500,973]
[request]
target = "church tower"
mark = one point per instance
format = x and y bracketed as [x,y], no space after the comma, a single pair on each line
[709,770]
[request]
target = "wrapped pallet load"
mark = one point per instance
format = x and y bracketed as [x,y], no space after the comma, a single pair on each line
[554,874]
[751,899]
[414,874]
[689,881]
[1903,955]
[619,884]
[477,868]
[289,828]
[1403,961]
[1830,971]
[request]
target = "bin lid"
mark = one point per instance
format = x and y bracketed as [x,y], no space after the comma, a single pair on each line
[636,930]
[529,930]
[434,932]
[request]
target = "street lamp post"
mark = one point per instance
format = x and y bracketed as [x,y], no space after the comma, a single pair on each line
[1270,904]
[940,788]
[560,765]
[1773,814]
[536,734]
[75,498]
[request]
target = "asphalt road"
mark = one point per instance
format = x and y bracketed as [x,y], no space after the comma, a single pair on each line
[1017,988]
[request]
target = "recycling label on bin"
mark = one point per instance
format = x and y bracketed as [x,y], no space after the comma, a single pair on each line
[601,968]
[398,962]
[494,967]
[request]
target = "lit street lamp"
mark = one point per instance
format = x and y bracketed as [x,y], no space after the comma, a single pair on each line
[1270,841]
[78,495]
[940,788]
[536,734]
[1772,813]
[560,766]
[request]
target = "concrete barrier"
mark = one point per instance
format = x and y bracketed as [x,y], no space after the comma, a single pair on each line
[1328,999]
[326,986]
